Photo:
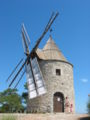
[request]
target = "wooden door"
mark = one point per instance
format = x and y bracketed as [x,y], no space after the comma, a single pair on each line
[58,102]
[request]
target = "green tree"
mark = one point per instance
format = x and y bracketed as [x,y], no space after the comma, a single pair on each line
[25,96]
[10,101]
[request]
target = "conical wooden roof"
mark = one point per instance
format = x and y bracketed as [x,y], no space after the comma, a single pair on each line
[50,51]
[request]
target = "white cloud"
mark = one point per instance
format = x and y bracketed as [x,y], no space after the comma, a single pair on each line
[84,80]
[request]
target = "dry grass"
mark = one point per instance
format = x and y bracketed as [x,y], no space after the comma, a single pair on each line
[8,117]
[47,116]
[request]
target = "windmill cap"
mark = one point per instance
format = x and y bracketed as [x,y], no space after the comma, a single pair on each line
[50,51]
[50,45]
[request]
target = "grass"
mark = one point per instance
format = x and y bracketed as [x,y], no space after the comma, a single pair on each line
[9,117]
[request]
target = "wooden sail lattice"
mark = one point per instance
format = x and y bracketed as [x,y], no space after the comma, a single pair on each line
[35,81]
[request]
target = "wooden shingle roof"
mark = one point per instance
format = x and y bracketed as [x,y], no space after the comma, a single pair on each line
[50,51]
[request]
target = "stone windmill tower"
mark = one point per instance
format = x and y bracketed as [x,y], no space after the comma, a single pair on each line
[58,76]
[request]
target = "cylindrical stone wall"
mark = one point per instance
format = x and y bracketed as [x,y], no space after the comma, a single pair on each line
[54,83]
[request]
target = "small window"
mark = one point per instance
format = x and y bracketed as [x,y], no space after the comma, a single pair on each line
[58,72]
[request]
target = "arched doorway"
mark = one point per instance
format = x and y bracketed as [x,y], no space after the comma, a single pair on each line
[58,102]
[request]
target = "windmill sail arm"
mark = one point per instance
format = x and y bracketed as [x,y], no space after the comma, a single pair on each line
[27,36]
[49,20]
[19,79]
[18,73]
[45,31]
[25,45]
[14,69]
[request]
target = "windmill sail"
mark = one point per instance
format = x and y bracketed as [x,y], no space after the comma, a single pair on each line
[38,77]
[25,40]
[32,93]
[35,80]
[36,85]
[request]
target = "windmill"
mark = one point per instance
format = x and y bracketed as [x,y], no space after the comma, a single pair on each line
[35,81]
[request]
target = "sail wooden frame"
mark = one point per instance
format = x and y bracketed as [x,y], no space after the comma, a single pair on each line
[35,80]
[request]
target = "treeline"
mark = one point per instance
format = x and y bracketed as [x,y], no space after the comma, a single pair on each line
[12,102]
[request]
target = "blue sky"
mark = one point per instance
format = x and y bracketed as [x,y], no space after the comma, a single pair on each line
[71,32]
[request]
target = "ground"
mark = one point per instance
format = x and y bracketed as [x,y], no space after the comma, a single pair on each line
[49,116]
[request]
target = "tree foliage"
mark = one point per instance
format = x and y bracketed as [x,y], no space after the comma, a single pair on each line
[25,95]
[10,101]
[88,105]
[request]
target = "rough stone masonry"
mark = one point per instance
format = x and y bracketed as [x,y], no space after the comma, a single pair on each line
[58,76]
